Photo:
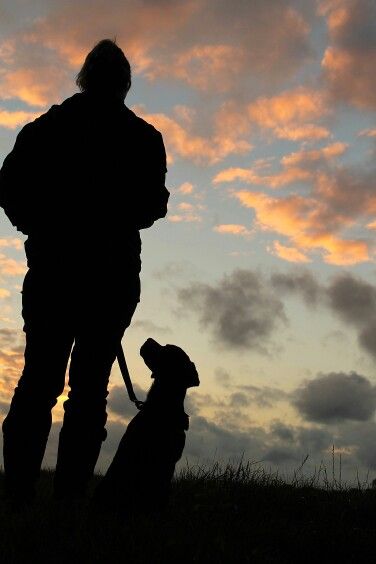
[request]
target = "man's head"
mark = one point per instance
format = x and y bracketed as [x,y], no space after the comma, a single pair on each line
[106,70]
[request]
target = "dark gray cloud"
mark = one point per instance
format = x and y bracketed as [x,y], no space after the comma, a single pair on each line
[174,270]
[349,297]
[241,310]
[283,431]
[209,440]
[354,301]
[298,281]
[239,400]
[119,404]
[222,377]
[360,438]
[281,446]
[350,59]
[281,454]
[314,440]
[336,397]
[244,308]
[149,327]
[263,396]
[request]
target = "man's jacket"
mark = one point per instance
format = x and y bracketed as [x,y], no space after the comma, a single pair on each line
[88,170]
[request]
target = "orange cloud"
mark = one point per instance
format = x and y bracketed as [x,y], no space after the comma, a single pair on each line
[11,361]
[12,120]
[289,115]
[37,86]
[209,49]
[302,132]
[233,229]
[242,51]
[187,212]
[202,65]
[187,217]
[4,293]
[12,242]
[181,140]
[300,219]
[297,167]
[339,199]
[11,267]
[291,254]
[367,133]
[250,176]
[40,60]
[186,188]
[305,157]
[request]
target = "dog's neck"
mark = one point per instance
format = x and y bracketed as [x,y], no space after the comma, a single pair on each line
[166,395]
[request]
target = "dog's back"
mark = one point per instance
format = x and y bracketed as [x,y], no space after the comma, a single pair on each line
[140,474]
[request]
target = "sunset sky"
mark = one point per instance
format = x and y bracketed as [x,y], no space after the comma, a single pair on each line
[264,269]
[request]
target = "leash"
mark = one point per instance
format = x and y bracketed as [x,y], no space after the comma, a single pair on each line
[127,379]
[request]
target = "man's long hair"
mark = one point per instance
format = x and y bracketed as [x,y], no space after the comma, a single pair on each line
[106,70]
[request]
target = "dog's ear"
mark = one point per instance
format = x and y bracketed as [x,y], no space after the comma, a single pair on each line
[191,376]
[152,353]
[184,369]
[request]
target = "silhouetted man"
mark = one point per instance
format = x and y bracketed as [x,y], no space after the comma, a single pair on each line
[81,181]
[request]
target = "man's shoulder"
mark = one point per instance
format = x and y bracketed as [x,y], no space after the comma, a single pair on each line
[54,113]
[143,126]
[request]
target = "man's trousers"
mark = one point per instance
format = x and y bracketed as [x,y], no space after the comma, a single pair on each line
[82,314]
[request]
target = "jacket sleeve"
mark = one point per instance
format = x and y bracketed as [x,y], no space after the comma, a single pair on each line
[155,205]
[14,191]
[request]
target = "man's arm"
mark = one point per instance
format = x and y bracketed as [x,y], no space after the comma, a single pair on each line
[155,206]
[14,191]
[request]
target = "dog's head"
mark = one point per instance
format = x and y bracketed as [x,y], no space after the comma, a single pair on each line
[169,360]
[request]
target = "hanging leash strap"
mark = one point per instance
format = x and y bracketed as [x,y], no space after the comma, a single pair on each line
[127,379]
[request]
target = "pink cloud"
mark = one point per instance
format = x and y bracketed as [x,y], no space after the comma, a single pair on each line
[4,293]
[299,219]
[181,140]
[296,167]
[233,229]
[291,254]
[11,267]
[12,242]
[12,120]
[367,133]
[339,199]
[186,188]
[291,114]
[209,49]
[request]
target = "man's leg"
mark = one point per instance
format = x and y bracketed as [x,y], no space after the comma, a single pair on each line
[94,352]
[48,344]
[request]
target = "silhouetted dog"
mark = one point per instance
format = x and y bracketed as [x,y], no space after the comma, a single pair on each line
[140,474]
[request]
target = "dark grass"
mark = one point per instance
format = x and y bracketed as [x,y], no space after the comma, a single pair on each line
[221,515]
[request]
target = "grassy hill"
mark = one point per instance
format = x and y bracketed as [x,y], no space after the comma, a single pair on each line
[222,515]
